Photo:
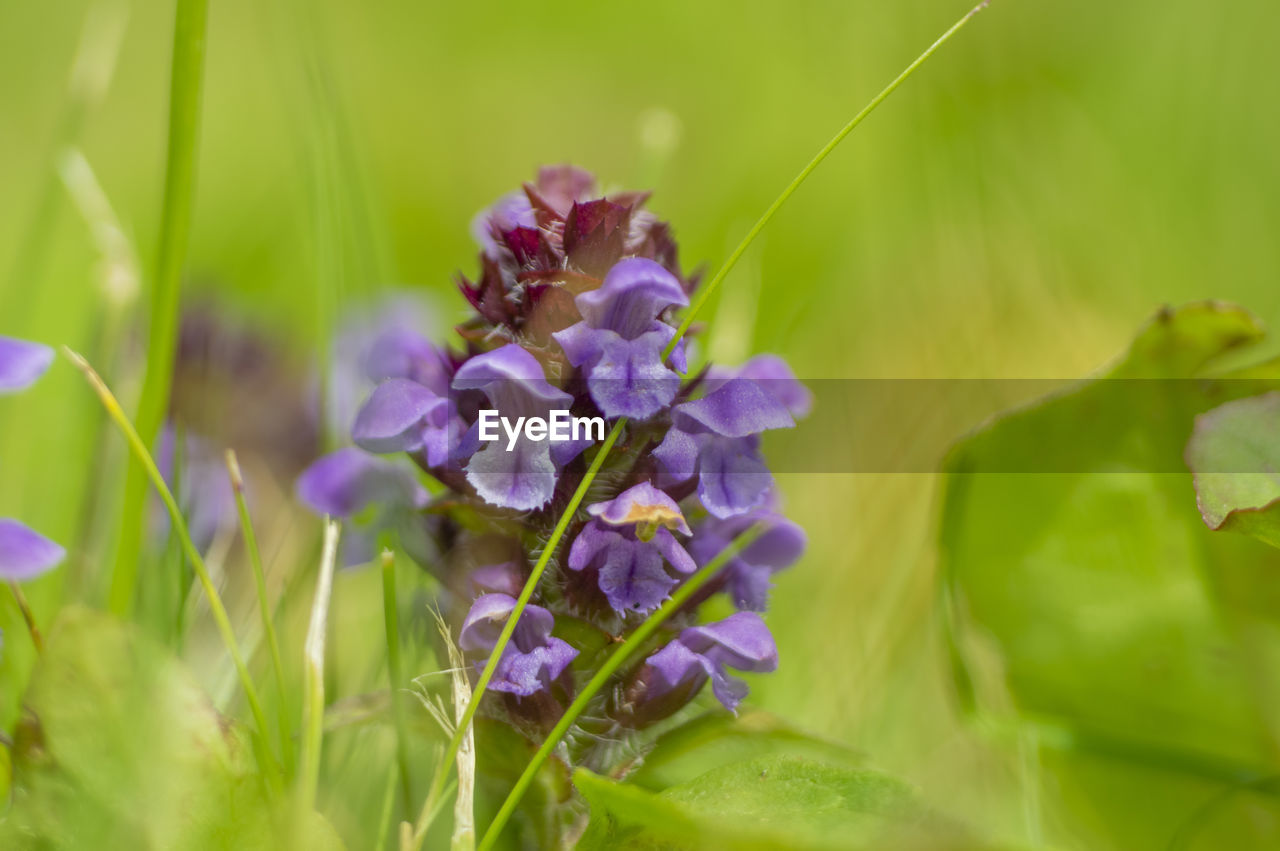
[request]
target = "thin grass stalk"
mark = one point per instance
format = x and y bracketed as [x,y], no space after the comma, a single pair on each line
[148,464]
[696,305]
[395,672]
[185,83]
[615,661]
[264,609]
[388,808]
[313,672]
[28,616]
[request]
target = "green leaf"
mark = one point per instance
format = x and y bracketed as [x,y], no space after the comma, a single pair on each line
[1235,455]
[1092,599]
[119,748]
[772,802]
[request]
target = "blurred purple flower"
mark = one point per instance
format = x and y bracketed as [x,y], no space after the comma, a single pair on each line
[532,660]
[740,641]
[24,553]
[717,439]
[628,543]
[773,375]
[619,342]
[21,363]
[747,575]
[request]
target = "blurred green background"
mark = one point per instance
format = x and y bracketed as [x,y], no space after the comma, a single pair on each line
[1016,210]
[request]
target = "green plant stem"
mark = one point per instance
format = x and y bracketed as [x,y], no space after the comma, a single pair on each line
[395,672]
[313,673]
[28,616]
[705,292]
[186,76]
[148,464]
[264,609]
[697,304]
[615,661]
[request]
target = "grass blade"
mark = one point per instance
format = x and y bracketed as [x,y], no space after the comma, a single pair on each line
[186,77]
[615,661]
[395,672]
[313,671]
[148,464]
[264,608]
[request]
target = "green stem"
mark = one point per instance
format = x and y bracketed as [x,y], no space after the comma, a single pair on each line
[705,292]
[395,671]
[264,608]
[219,611]
[615,661]
[190,20]
[28,616]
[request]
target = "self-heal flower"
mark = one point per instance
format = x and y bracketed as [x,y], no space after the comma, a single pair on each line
[702,653]
[24,553]
[747,575]
[619,342]
[629,542]
[21,363]
[521,475]
[773,375]
[532,660]
[717,439]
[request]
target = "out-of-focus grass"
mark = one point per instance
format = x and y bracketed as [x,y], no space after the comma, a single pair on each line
[1015,211]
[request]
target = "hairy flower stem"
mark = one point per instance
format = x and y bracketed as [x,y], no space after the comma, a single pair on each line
[264,609]
[28,616]
[615,661]
[442,770]
[395,673]
[186,75]
[219,611]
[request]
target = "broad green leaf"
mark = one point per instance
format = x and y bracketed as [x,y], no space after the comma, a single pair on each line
[718,738]
[773,802]
[119,748]
[1235,455]
[1085,592]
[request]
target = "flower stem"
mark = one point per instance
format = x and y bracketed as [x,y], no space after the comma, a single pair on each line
[615,661]
[395,672]
[28,616]
[313,673]
[219,611]
[704,293]
[186,74]
[264,608]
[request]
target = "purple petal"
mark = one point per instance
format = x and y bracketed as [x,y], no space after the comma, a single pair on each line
[634,293]
[345,482]
[673,552]
[513,381]
[24,553]
[732,478]
[404,353]
[676,665]
[489,613]
[641,504]
[392,419]
[774,375]
[677,455]
[592,540]
[633,577]
[507,213]
[737,408]
[503,578]
[581,343]
[629,378]
[523,478]
[524,674]
[740,641]
[21,363]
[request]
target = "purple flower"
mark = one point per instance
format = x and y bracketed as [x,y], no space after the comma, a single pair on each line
[773,375]
[509,212]
[404,416]
[717,439]
[740,641]
[747,575]
[25,554]
[203,488]
[532,660]
[619,342]
[628,543]
[21,363]
[348,482]
[521,475]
